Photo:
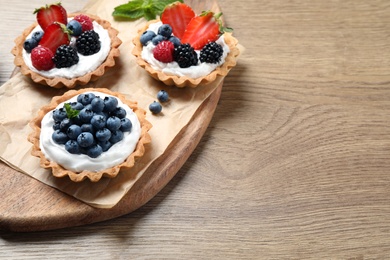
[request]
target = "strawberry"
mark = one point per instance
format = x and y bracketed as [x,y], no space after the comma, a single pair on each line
[202,29]
[55,35]
[164,51]
[42,58]
[85,21]
[177,15]
[49,14]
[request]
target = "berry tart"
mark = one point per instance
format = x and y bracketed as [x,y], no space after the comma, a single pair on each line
[62,50]
[185,49]
[89,134]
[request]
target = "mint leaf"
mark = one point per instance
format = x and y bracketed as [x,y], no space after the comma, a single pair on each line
[135,9]
[70,112]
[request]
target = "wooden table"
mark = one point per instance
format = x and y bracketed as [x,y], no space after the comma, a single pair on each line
[295,163]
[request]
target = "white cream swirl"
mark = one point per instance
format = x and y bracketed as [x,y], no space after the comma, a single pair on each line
[85,65]
[173,68]
[79,162]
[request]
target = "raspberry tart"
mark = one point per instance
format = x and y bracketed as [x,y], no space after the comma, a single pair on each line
[185,49]
[62,50]
[89,134]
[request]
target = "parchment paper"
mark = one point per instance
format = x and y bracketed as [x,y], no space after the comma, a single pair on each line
[21,98]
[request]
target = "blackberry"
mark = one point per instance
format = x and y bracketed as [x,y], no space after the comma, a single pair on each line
[211,53]
[185,56]
[65,57]
[88,43]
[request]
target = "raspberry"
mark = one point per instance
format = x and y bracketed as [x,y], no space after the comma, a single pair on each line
[211,53]
[65,57]
[42,58]
[164,51]
[85,21]
[185,56]
[88,43]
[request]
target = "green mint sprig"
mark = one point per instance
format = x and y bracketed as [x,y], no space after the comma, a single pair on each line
[70,112]
[149,9]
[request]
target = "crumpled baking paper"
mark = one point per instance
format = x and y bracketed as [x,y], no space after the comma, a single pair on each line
[21,98]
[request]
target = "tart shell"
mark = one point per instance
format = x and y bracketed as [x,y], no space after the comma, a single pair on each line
[58,170]
[183,81]
[60,82]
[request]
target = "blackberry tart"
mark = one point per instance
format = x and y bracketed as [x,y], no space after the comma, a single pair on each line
[89,134]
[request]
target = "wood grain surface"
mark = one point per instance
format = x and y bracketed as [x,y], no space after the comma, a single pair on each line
[295,162]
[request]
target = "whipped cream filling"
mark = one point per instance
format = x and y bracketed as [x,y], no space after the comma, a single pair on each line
[85,65]
[173,68]
[79,162]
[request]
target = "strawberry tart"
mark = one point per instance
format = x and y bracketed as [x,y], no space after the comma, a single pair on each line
[89,134]
[185,49]
[62,50]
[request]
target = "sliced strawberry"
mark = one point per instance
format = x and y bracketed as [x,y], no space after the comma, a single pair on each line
[49,14]
[202,29]
[177,15]
[55,35]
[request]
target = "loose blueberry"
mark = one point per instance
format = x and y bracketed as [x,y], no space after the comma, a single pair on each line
[158,38]
[85,139]
[73,131]
[30,44]
[98,121]
[37,35]
[86,115]
[95,151]
[116,136]
[155,107]
[59,137]
[119,112]
[146,37]
[103,135]
[110,103]
[97,104]
[126,125]
[162,96]
[176,41]
[59,114]
[72,147]
[75,27]
[165,30]
[113,123]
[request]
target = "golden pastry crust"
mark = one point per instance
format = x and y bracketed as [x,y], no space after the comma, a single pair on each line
[59,82]
[58,170]
[183,81]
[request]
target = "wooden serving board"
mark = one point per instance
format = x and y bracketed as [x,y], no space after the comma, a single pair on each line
[29,205]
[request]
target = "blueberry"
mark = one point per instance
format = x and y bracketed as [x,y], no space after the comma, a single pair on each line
[103,135]
[37,35]
[97,104]
[87,128]
[86,115]
[119,112]
[59,137]
[59,114]
[176,41]
[165,30]
[76,105]
[126,125]
[85,139]
[56,125]
[95,151]
[116,136]
[146,37]
[98,121]
[110,103]
[72,147]
[158,38]
[65,123]
[113,123]
[85,98]
[162,96]
[155,107]
[30,44]
[105,145]
[73,132]
[75,27]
